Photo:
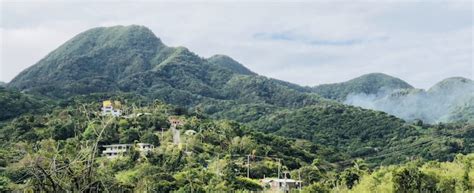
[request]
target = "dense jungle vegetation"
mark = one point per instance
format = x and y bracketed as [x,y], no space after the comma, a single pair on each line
[60,150]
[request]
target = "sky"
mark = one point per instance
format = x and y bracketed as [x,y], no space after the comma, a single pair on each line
[304,42]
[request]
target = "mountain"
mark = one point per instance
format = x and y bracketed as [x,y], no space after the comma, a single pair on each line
[455,94]
[452,85]
[133,59]
[447,101]
[3,84]
[367,84]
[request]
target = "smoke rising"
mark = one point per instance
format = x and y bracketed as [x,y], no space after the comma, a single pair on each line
[432,106]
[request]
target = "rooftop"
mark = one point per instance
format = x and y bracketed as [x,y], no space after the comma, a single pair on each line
[278,180]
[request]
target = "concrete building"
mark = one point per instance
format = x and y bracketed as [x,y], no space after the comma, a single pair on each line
[144,147]
[116,150]
[280,185]
[175,121]
[111,108]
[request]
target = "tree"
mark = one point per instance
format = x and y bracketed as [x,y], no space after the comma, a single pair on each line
[129,135]
[150,138]
[4,183]
[316,188]
[411,179]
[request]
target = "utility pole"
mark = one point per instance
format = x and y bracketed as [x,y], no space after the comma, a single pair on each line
[299,178]
[284,181]
[279,166]
[248,166]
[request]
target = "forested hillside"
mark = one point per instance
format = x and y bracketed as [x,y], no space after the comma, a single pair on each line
[14,103]
[214,157]
[38,152]
[376,136]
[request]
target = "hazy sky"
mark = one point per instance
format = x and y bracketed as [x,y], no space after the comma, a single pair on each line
[303,42]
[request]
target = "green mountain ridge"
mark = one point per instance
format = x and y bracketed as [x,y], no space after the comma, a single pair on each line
[447,101]
[368,84]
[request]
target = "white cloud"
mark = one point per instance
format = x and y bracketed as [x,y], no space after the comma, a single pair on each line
[386,37]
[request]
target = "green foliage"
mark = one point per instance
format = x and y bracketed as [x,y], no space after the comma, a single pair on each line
[129,135]
[316,188]
[14,103]
[150,138]
[413,180]
[4,183]
[215,157]
[455,176]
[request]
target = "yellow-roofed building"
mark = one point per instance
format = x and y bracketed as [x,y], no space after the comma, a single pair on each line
[107,103]
[111,108]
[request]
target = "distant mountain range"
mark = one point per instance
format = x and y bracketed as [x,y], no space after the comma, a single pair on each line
[447,101]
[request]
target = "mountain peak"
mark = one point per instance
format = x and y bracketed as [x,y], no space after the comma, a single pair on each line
[132,36]
[380,80]
[102,54]
[368,84]
[453,83]
[375,75]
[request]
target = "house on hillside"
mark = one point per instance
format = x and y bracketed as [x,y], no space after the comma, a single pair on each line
[176,121]
[117,150]
[280,185]
[111,108]
[135,115]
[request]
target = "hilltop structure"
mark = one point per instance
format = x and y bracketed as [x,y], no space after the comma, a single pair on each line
[111,108]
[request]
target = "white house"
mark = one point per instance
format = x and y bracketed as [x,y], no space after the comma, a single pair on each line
[145,147]
[116,150]
[280,185]
[111,108]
